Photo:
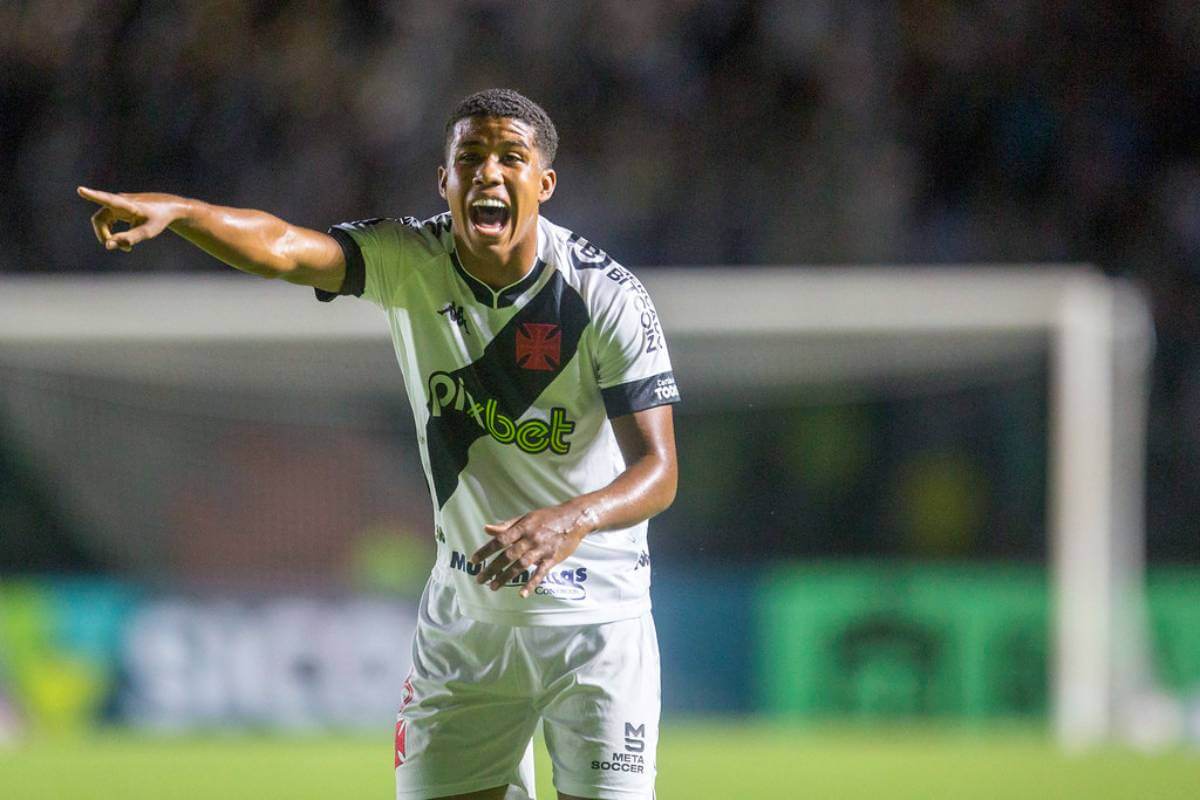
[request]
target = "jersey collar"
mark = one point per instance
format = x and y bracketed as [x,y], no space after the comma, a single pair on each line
[502,298]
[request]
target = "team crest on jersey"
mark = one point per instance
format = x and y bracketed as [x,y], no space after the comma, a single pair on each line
[539,346]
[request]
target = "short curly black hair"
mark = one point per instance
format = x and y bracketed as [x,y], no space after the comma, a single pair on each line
[508,103]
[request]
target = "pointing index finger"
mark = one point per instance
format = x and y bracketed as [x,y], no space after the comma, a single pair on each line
[103,198]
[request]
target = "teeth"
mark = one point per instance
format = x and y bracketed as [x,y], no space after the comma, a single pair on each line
[490,202]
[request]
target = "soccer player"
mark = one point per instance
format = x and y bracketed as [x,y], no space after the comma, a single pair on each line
[542,392]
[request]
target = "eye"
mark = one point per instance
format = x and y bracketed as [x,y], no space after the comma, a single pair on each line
[514,158]
[468,157]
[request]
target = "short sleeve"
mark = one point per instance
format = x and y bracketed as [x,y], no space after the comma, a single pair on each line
[374,251]
[633,368]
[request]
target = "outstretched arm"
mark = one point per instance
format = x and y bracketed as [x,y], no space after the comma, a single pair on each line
[542,538]
[252,241]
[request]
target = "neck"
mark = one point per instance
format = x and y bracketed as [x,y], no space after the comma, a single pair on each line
[498,270]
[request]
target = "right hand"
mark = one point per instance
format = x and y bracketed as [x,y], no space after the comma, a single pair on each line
[148,215]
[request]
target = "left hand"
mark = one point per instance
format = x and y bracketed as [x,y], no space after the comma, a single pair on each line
[535,541]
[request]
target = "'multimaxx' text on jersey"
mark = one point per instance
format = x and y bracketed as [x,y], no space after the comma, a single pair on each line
[512,390]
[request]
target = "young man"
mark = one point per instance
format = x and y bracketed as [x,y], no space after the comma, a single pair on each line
[541,388]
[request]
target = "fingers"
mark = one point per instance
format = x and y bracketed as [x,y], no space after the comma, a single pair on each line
[507,565]
[105,198]
[127,239]
[114,208]
[499,542]
[498,527]
[515,571]
[102,222]
[487,551]
[535,577]
[522,551]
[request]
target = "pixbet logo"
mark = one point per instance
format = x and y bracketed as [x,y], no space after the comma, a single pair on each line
[448,393]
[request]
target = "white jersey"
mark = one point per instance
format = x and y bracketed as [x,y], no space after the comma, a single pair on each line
[511,391]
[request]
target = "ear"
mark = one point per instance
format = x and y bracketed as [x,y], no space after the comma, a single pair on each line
[442,175]
[549,181]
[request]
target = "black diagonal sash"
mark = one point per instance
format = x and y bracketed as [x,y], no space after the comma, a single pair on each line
[497,375]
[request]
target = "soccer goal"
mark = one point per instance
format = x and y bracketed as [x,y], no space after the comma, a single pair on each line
[88,362]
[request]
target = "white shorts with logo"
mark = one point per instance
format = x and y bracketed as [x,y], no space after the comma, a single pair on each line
[478,690]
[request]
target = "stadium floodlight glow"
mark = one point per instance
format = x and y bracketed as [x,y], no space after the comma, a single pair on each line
[738,334]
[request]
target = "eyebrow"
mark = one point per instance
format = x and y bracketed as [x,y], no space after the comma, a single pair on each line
[475,142]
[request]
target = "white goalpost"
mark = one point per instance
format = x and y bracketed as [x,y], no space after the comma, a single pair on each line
[737,334]
[1100,336]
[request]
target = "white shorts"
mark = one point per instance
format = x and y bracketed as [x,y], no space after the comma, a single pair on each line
[478,690]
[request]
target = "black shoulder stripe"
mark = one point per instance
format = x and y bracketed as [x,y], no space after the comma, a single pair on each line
[356,271]
[506,372]
[626,398]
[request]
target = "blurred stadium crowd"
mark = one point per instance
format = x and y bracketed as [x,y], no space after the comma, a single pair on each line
[705,132]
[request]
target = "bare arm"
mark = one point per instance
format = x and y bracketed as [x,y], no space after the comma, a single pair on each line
[252,241]
[545,537]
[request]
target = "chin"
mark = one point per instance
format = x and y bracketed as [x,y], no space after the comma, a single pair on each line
[490,244]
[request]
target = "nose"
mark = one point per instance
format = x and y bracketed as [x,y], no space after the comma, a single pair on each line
[488,172]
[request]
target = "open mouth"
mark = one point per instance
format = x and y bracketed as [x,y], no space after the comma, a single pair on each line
[489,216]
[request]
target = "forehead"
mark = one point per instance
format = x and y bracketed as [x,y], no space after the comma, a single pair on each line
[493,130]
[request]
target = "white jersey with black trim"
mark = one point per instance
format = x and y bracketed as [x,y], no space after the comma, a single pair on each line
[512,391]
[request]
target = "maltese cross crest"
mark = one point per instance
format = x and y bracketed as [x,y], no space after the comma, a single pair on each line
[538,346]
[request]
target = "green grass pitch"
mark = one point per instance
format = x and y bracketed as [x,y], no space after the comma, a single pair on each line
[726,760]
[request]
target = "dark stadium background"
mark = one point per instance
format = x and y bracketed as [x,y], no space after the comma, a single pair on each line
[693,133]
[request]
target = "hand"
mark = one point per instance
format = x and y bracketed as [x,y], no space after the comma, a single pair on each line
[536,541]
[148,215]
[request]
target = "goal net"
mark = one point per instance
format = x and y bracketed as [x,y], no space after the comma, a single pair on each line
[171,415]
